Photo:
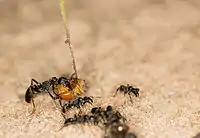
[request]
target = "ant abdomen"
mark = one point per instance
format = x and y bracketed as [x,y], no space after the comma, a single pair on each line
[28,95]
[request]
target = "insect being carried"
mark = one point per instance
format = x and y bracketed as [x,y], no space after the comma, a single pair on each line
[69,89]
[62,88]
[119,130]
[78,103]
[127,89]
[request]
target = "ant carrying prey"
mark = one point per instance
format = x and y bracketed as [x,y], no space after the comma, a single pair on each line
[127,89]
[63,88]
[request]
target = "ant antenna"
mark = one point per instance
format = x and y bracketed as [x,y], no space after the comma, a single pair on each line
[67,41]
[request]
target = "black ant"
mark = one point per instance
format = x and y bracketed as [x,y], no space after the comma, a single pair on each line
[37,88]
[108,115]
[77,103]
[82,119]
[63,88]
[119,130]
[127,89]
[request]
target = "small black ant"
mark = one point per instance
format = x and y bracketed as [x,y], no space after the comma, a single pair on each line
[127,89]
[78,103]
[119,130]
[63,89]
[82,119]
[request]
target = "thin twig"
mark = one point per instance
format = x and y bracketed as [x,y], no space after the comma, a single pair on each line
[67,41]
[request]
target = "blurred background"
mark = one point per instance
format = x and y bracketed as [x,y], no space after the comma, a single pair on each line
[153,44]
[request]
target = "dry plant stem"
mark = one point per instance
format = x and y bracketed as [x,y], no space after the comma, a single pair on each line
[67,41]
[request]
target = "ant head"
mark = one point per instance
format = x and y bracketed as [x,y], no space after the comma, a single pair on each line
[122,88]
[63,81]
[109,108]
[88,98]
[53,80]
[81,99]
[137,89]
[68,121]
[95,110]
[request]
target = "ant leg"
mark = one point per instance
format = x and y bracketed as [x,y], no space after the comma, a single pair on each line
[64,107]
[34,81]
[60,102]
[62,113]
[136,92]
[54,98]
[118,89]
[33,103]
[130,98]
[126,92]
[106,133]
[53,89]
[33,111]
[121,116]
[90,102]
[80,112]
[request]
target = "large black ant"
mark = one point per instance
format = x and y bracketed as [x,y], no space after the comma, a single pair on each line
[78,103]
[119,130]
[127,89]
[63,88]
[37,88]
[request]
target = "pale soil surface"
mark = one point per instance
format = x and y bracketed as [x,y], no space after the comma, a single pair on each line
[151,44]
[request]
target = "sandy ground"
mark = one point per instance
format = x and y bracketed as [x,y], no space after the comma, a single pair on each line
[151,44]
